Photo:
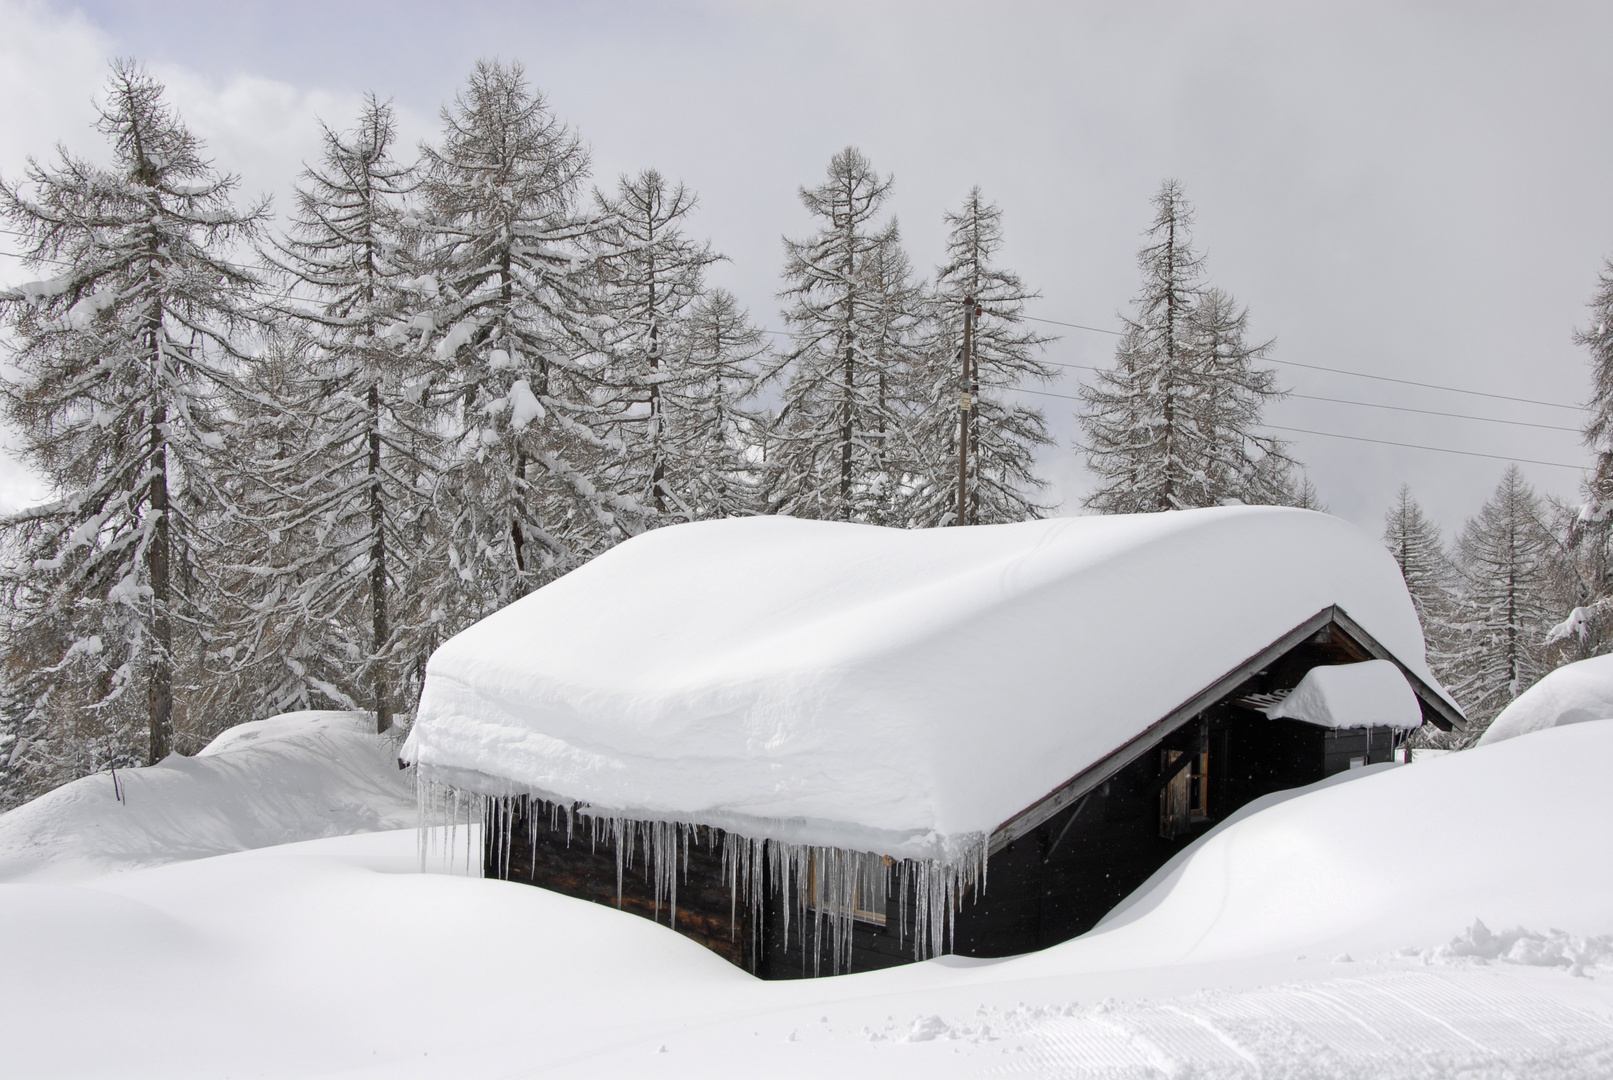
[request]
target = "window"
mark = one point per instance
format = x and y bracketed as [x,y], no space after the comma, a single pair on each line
[837,880]
[1184,801]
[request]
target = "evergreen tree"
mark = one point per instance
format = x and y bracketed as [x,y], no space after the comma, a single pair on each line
[840,445]
[1175,423]
[117,364]
[1414,541]
[523,351]
[1003,437]
[1503,555]
[1586,626]
[337,498]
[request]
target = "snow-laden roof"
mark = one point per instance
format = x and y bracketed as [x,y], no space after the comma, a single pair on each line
[1572,694]
[1370,694]
[879,689]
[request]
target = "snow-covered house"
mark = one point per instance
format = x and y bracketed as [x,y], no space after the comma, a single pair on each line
[824,747]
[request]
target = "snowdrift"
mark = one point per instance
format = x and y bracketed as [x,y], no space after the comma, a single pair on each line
[1572,694]
[874,689]
[298,776]
[293,960]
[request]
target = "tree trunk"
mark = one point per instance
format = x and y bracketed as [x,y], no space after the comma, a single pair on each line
[378,626]
[161,688]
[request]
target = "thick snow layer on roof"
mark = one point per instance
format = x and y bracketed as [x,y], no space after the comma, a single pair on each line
[1572,694]
[878,689]
[1370,694]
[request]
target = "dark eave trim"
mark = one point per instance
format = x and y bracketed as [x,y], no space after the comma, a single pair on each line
[1435,709]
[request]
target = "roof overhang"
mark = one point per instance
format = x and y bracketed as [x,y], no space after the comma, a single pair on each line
[1436,709]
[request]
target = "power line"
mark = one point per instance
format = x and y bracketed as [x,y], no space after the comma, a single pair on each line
[1362,438]
[1343,371]
[1418,446]
[1432,412]
[1368,404]
[1075,326]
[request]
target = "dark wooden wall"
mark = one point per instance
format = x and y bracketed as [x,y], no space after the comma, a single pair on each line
[544,856]
[1048,886]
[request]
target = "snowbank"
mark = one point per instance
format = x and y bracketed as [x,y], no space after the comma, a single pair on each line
[1572,694]
[1327,936]
[292,777]
[878,689]
[1369,694]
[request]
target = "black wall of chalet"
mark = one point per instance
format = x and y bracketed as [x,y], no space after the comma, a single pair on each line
[1048,886]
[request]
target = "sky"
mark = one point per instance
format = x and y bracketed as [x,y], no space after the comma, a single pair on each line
[1412,191]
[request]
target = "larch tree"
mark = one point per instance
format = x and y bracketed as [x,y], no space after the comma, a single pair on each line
[1176,422]
[712,427]
[340,496]
[518,338]
[840,442]
[1003,436]
[118,360]
[1504,557]
[1586,622]
[1418,549]
[656,272]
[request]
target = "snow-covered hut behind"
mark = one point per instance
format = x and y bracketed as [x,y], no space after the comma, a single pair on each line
[885,720]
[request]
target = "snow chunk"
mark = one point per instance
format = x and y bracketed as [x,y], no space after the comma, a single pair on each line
[524,405]
[456,338]
[35,291]
[1369,694]
[898,691]
[1572,694]
[82,314]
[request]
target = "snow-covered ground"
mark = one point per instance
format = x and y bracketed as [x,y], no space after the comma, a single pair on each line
[293,777]
[1334,933]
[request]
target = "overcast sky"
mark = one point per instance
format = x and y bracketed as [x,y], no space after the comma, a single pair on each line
[1413,191]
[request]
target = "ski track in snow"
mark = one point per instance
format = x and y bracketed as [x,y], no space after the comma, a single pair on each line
[1381,1026]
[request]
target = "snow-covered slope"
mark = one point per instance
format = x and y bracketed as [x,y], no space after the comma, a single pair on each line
[1572,694]
[1329,936]
[900,691]
[291,777]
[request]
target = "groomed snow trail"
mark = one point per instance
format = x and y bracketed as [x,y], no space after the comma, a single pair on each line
[1385,1025]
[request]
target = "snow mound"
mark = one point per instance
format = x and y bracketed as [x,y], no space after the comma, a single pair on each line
[1369,694]
[898,691]
[1555,948]
[1572,694]
[298,776]
[1341,865]
[292,961]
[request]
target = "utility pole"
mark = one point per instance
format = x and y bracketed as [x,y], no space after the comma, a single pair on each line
[968,387]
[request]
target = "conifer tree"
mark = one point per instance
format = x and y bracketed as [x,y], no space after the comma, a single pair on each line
[118,361]
[1003,436]
[840,443]
[1503,555]
[338,496]
[656,273]
[519,342]
[1586,626]
[1414,541]
[712,430]
[1175,423]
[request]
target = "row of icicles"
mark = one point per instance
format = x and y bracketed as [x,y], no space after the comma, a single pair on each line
[826,889]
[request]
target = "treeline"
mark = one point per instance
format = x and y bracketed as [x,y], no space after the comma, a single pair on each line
[286,465]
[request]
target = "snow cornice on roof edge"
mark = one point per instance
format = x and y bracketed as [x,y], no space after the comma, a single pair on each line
[908,691]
